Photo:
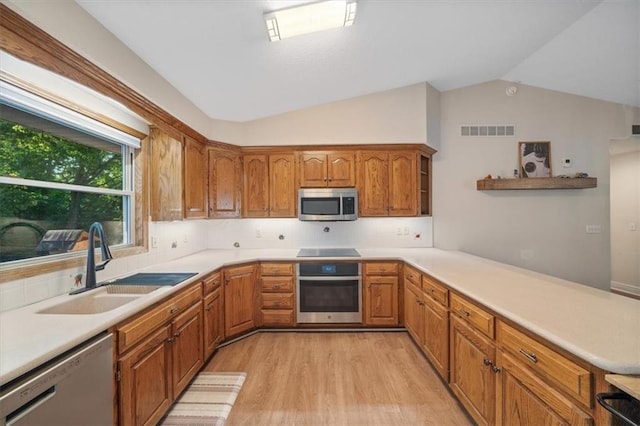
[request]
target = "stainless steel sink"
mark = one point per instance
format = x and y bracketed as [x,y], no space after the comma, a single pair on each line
[101,300]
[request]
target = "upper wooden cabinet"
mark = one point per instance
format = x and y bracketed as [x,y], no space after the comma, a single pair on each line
[165,176]
[388,182]
[195,179]
[225,183]
[269,185]
[327,169]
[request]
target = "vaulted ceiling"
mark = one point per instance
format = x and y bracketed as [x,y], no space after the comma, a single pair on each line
[217,53]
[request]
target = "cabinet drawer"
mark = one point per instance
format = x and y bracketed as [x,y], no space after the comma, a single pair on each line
[383,268]
[412,275]
[474,315]
[136,329]
[277,300]
[211,283]
[434,289]
[277,284]
[553,367]
[277,317]
[276,269]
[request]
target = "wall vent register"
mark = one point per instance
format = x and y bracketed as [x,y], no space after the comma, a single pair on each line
[488,130]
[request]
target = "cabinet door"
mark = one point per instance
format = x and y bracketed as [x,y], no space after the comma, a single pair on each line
[282,185]
[213,321]
[373,181]
[381,300]
[187,350]
[195,179]
[436,335]
[341,169]
[256,186]
[165,176]
[313,169]
[239,299]
[225,183]
[524,399]
[413,313]
[145,383]
[403,176]
[472,378]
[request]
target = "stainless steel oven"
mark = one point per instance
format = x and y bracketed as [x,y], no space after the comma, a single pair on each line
[329,292]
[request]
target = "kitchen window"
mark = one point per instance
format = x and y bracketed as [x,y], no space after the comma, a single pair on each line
[59,172]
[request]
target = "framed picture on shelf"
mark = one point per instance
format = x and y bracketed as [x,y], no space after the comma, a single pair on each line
[534,159]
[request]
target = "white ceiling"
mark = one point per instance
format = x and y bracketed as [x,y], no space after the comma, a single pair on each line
[216,52]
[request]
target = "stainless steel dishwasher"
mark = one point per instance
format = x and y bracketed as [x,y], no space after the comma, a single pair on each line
[73,389]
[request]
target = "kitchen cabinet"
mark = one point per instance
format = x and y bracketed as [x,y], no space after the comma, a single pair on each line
[387,183]
[413,319]
[472,378]
[166,176]
[239,299]
[524,399]
[195,179]
[277,294]
[436,324]
[380,293]
[269,185]
[159,352]
[225,183]
[320,169]
[213,313]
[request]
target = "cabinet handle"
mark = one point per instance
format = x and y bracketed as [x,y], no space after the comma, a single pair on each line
[496,369]
[173,310]
[487,361]
[432,290]
[530,356]
[276,286]
[176,334]
[207,309]
[170,339]
[463,312]
[330,179]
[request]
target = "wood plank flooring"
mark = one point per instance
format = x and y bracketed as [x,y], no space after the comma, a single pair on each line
[335,378]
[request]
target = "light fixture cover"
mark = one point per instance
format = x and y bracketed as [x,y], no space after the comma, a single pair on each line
[309,18]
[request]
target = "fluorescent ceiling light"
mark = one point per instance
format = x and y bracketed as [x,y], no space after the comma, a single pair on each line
[309,18]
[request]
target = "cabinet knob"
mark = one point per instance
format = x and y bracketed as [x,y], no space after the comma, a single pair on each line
[170,339]
[176,334]
[496,369]
[487,361]
[173,310]
[463,312]
[276,286]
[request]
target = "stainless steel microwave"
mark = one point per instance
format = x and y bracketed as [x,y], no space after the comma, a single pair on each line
[327,204]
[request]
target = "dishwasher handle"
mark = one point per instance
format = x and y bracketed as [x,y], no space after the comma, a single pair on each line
[605,396]
[30,406]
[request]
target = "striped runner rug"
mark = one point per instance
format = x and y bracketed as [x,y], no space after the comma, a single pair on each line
[207,401]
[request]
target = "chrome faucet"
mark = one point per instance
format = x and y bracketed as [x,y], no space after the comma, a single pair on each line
[91,257]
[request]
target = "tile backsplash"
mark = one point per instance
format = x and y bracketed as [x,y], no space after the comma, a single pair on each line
[172,240]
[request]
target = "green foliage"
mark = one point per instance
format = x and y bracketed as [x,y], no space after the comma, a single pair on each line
[32,154]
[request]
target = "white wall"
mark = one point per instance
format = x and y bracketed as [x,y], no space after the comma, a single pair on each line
[625,215]
[364,232]
[393,116]
[543,230]
[71,25]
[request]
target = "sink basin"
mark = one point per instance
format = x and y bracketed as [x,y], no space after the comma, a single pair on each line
[101,300]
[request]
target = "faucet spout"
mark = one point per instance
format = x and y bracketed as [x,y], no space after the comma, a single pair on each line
[106,256]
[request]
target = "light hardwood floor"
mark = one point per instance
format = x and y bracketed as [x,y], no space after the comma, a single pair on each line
[336,378]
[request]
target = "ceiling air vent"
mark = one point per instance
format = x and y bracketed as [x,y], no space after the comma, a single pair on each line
[488,130]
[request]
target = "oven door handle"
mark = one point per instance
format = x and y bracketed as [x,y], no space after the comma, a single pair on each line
[329,278]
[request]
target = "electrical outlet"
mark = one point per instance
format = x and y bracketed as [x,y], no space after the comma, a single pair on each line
[399,231]
[405,231]
[566,162]
[258,233]
[154,242]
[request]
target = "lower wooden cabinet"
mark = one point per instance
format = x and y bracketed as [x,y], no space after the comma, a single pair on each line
[155,370]
[144,386]
[524,399]
[239,299]
[277,295]
[413,317]
[436,335]
[472,378]
[380,294]
[213,321]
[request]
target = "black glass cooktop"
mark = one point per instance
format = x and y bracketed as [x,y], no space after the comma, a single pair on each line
[328,252]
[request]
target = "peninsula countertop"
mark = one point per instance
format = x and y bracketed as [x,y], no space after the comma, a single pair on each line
[597,326]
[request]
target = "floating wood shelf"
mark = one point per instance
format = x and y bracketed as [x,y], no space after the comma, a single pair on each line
[537,183]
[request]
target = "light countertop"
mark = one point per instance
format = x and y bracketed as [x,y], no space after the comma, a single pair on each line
[597,326]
